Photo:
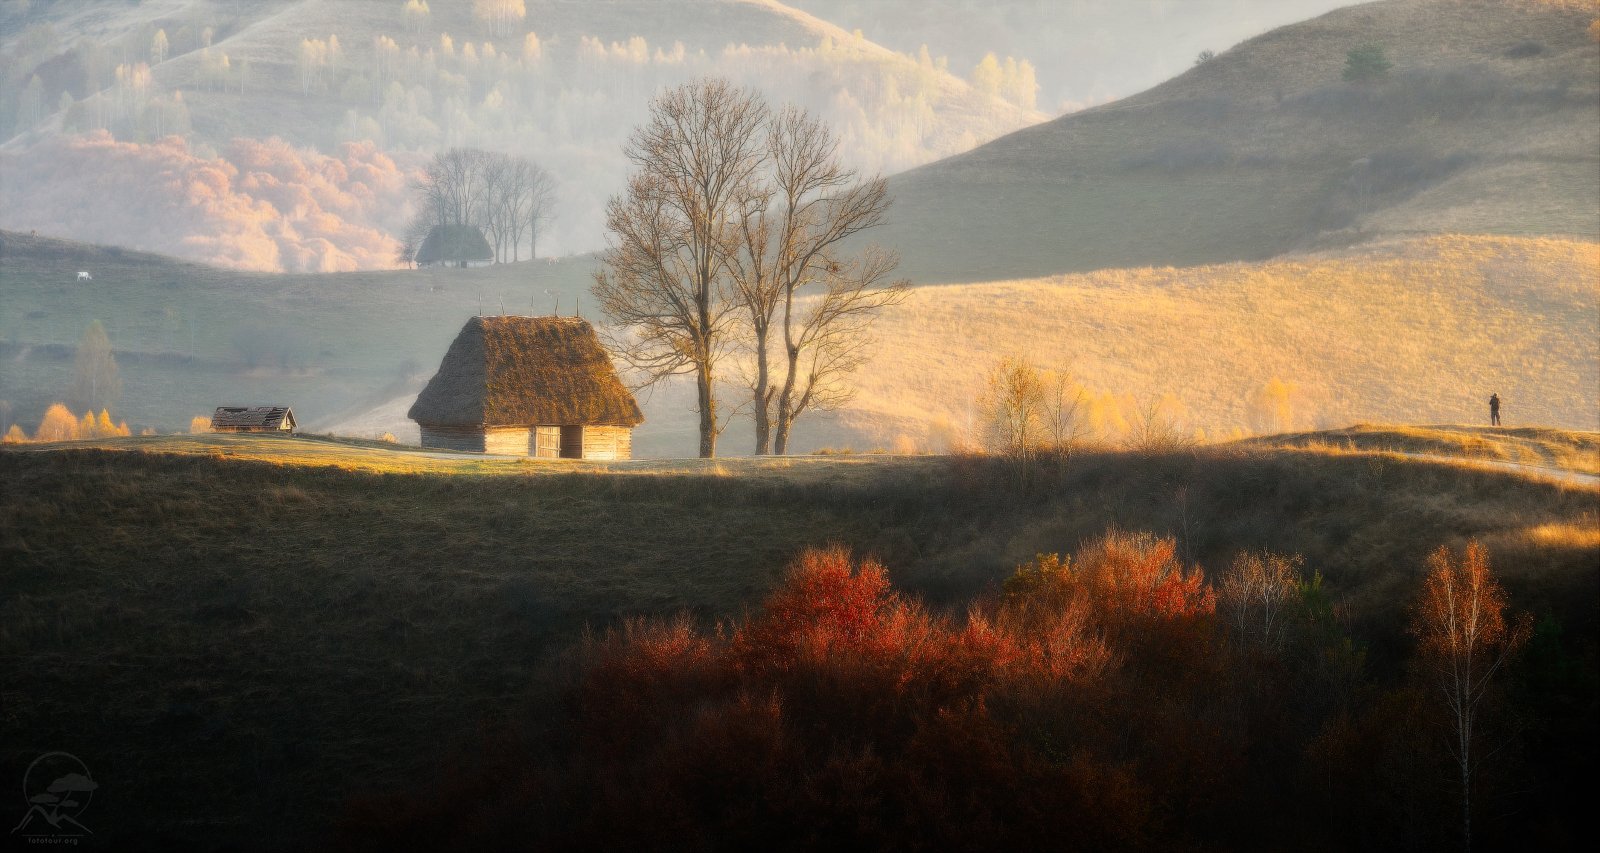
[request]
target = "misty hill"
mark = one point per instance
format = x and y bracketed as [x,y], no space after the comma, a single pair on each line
[302,119]
[1484,124]
[1084,52]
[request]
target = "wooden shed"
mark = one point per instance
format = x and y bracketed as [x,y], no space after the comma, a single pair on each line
[528,386]
[253,419]
[454,246]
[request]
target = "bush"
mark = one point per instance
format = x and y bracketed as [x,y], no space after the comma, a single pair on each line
[1366,63]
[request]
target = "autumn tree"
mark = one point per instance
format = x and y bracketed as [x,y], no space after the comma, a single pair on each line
[1255,595]
[95,381]
[500,16]
[1014,407]
[415,13]
[798,289]
[58,425]
[663,278]
[1464,641]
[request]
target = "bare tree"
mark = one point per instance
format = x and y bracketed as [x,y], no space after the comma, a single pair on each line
[501,195]
[663,280]
[792,226]
[531,196]
[825,340]
[1064,402]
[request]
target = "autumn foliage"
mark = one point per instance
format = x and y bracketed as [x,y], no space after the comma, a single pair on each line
[1098,700]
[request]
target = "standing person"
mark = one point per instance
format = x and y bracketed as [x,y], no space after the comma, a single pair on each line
[1494,409]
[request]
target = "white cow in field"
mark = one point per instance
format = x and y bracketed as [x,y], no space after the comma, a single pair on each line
[83,276]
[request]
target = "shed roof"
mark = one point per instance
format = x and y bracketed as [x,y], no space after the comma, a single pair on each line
[454,243]
[526,371]
[266,417]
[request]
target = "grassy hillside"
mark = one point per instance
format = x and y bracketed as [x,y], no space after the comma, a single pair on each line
[1485,124]
[272,625]
[1535,447]
[190,336]
[1414,330]
[1417,330]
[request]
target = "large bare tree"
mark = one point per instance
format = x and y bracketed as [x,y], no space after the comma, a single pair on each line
[663,281]
[800,292]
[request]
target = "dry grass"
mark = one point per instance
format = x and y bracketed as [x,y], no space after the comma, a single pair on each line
[271,624]
[1415,331]
[1530,446]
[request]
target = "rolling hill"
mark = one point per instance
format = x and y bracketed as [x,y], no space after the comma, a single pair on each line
[1485,124]
[1400,331]
[562,83]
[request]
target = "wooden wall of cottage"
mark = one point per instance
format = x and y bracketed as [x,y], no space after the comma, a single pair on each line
[549,442]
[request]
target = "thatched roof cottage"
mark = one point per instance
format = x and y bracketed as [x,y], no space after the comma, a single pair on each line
[529,386]
[253,419]
[454,246]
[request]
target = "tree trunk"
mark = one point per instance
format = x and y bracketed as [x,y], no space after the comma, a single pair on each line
[763,396]
[786,412]
[708,412]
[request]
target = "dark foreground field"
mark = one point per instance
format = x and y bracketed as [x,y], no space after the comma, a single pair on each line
[241,636]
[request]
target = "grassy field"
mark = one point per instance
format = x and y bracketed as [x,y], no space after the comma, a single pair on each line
[1412,330]
[1485,124]
[271,625]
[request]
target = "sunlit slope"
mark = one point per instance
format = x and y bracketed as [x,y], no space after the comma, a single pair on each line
[1409,331]
[1485,124]
[1413,331]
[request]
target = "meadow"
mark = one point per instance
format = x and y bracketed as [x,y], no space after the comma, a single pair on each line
[1413,330]
[276,626]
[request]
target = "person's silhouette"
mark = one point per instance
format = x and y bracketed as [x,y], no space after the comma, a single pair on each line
[1494,409]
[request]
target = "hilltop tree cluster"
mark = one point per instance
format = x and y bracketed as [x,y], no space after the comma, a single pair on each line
[507,198]
[734,235]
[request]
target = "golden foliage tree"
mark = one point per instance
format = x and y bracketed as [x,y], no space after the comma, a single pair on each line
[1464,640]
[59,424]
[1014,407]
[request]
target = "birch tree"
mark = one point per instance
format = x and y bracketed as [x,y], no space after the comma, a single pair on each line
[1464,641]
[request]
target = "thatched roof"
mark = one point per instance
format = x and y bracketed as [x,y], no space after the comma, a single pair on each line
[526,371]
[453,243]
[260,417]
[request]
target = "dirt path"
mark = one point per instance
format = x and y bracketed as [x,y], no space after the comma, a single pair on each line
[1549,472]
